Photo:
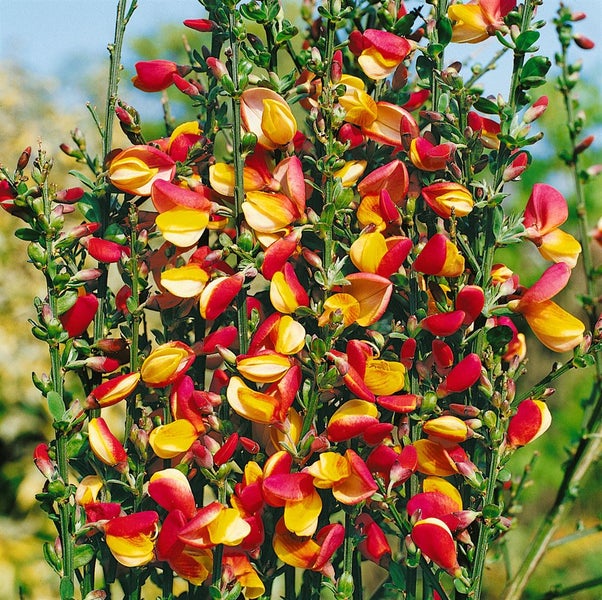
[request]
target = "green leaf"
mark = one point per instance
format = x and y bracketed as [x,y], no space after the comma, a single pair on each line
[115,233]
[525,41]
[85,180]
[56,406]
[503,476]
[484,105]
[398,577]
[90,207]
[498,337]
[65,301]
[534,71]
[461,586]
[27,235]
[404,26]
[425,67]
[52,557]
[491,511]
[435,50]
[82,555]
[444,30]
[66,589]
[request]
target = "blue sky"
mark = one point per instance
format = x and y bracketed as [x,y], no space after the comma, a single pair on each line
[63,39]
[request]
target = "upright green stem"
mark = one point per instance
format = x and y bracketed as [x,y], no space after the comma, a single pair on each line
[56,374]
[239,187]
[115,50]
[329,213]
[484,531]
[581,208]
[134,314]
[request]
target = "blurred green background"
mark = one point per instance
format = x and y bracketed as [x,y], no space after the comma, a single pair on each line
[44,99]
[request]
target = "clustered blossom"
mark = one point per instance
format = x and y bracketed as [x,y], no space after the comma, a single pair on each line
[326,346]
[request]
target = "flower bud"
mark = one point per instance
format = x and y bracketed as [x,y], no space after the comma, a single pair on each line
[105,446]
[583,41]
[166,364]
[24,159]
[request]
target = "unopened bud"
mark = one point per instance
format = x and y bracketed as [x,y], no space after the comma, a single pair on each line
[24,159]
[584,144]
[311,258]
[400,77]
[464,410]
[227,355]
[345,585]
[535,111]
[583,41]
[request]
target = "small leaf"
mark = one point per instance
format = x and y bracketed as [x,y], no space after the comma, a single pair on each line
[82,555]
[89,207]
[404,25]
[444,30]
[525,40]
[398,577]
[504,475]
[491,511]
[498,337]
[484,105]
[52,557]
[65,301]
[66,589]
[534,71]
[56,406]
[425,67]
[461,586]
[27,235]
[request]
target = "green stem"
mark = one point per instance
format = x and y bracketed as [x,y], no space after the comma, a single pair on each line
[581,208]
[484,531]
[544,383]
[56,374]
[329,246]
[239,187]
[115,50]
[289,583]
[573,589]
[218,551]
[134,316]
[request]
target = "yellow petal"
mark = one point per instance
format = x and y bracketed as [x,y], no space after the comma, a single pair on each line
[172,439]
[185,282]
[181,226]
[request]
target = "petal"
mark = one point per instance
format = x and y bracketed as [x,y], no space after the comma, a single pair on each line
[531,420]
[171,490]
[172,439]
[435,540]
[183,227]
[264,367]
[360,484]
[373,293]
[351,419]
[559,246]
[218,295]
[131,538]
[546,209]
[185,282]
[229,528]
[433,459]
[301,517]
[250,404]
[292,550]
[553,326]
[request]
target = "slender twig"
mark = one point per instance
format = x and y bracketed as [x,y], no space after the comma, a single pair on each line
[573,589]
